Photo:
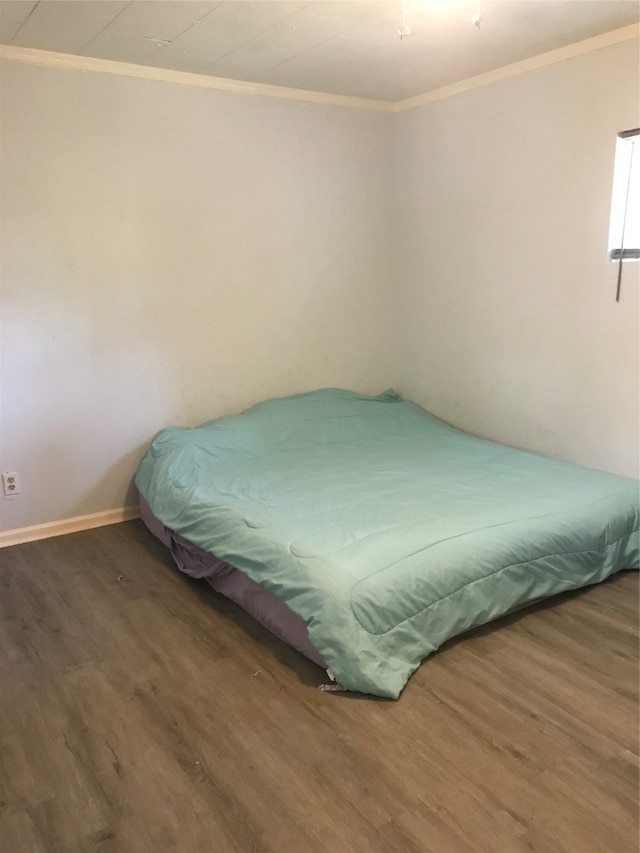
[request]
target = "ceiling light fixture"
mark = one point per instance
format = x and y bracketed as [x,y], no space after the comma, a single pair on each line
[405,30]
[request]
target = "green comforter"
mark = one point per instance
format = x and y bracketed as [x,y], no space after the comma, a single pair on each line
[384,529]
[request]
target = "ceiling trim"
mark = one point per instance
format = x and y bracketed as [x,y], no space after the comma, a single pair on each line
[51,59]
[542,60]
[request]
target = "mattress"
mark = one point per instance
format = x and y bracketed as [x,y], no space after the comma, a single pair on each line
[234,585]
[383,529]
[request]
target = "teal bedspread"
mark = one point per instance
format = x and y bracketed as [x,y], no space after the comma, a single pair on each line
[384,529]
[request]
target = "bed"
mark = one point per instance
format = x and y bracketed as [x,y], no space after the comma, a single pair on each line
[366,532]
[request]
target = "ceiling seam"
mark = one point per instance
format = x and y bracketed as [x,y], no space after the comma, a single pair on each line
[25,20]
[196,22]
[106,26]
[253,38]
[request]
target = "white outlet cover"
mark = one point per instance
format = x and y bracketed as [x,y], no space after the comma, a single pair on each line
[10,484]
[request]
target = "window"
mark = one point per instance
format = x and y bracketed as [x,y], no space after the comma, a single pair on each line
[624,225]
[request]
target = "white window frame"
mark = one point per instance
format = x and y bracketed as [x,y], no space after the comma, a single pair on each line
[624,221]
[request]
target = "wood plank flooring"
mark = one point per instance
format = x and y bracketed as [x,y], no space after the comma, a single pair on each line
[139,711]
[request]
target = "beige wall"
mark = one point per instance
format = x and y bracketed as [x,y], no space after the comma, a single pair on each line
[509,325]
[171,254]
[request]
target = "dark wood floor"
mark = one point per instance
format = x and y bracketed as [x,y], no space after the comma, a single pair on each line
[140,712]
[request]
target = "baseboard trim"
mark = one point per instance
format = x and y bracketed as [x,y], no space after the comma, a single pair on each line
[67,525]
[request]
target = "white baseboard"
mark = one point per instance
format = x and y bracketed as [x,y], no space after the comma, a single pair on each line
[67,525]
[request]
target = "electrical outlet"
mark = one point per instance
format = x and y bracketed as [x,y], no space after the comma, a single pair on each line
[10,483]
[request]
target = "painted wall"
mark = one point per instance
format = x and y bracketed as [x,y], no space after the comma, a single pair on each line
[509,325]
[171,254]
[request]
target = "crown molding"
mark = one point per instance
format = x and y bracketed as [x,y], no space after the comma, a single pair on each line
[542,60]
[50,59]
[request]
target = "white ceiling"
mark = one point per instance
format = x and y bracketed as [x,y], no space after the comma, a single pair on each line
[345,47]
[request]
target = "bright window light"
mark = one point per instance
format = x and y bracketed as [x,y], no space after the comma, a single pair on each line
[624,225]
